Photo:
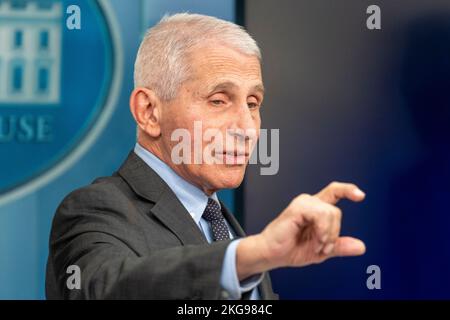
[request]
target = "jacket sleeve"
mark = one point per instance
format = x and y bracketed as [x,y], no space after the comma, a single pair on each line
[95,238]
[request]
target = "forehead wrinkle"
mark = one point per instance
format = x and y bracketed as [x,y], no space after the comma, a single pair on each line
[215,67]
[226,85]
[229,78]
[229,69]
[219,61]
[229,85]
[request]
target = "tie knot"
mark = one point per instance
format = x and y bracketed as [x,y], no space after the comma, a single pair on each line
[212,211]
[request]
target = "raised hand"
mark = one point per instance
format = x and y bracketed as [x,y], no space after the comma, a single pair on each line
[306,232]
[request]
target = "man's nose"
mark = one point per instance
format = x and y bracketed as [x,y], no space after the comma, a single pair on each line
[245,127]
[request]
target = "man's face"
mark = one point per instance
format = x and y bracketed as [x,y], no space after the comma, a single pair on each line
[223,95]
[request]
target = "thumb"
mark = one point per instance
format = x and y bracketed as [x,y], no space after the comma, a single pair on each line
[348,246]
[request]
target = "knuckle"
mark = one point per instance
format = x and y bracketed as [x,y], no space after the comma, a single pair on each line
[301,198]
[334,184]
[329,211]
[326,218]
[321,215]
[304,196]
[337,213]
[328,214]
[322,226]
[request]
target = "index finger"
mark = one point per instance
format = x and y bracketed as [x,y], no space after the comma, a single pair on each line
[336,191]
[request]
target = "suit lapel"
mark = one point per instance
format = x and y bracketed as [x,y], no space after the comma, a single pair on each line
[168,209]
[174,215]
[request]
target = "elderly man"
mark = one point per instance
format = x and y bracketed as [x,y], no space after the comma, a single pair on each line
[155,229]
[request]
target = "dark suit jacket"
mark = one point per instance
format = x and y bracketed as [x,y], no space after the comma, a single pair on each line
[132,239]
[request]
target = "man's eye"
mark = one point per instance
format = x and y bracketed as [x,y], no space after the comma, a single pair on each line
[217,102]
[252,105]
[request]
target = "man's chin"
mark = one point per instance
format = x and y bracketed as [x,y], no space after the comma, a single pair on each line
[228,181]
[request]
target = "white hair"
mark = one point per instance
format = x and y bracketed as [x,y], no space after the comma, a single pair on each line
[162,60]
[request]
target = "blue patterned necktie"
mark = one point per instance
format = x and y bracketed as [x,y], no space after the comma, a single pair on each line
[214,216]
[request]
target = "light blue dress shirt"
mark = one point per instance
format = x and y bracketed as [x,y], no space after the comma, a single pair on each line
[195,201]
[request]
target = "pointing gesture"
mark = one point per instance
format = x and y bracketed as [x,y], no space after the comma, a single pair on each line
[306,232]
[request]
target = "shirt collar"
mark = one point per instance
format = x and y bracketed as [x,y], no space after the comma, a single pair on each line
[192,198]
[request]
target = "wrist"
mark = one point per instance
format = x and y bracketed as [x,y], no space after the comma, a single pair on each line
[252,257]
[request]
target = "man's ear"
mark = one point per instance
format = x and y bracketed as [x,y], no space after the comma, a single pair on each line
[146,109]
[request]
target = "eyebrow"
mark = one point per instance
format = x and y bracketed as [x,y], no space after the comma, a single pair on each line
[228,85]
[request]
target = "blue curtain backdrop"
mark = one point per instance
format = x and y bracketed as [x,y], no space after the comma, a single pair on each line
[25,220]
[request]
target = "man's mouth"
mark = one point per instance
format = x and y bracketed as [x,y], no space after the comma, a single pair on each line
[233,157]
[236,153]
